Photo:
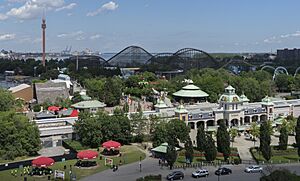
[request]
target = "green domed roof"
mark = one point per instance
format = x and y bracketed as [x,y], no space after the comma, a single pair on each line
[230,95]
[180,109]
[267,101]
[190,91]
[160,104]
[244,98]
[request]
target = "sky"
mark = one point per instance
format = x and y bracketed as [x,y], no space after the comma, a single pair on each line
[156,25]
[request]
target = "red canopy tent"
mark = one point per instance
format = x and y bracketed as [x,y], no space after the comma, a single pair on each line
[87,155]
[42,162]
[111,145]
[74,113]
[53,108]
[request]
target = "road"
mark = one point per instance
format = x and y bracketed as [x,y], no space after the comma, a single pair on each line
[131,172]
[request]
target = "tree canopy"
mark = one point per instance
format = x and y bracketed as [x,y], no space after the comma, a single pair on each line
[93,130]
[18,136]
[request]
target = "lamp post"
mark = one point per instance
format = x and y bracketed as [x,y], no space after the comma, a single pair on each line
[140,163]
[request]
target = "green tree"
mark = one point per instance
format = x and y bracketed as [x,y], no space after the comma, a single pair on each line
[171,155]
[265,140]
[189,151]
[254,131]
[160,134]
[280,175]
[6,100]
[291,124]
[76,98]
[139,125]
[126,107]
[223,140]
[297,137]
[233,133]
[201,138]
[210,148]
[112,91]
[18,136]
[177,130]
[283,138]
[89,131]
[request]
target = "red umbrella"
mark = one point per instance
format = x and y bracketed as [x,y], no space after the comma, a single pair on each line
[53,108]
[74,113]
[111,145]
[87,155]
[42,162]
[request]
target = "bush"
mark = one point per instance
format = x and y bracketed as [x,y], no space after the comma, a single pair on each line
[150,178]
[138,138]
[237,161]
[37,108]
[76,145]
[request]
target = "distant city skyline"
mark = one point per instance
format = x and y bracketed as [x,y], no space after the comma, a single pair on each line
[156,25]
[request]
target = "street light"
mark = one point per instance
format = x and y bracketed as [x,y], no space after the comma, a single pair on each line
[140,163]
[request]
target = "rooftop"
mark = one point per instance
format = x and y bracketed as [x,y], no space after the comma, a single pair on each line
[89,104]
[19,88]
[190,91]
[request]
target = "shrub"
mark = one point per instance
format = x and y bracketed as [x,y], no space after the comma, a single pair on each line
[150,178]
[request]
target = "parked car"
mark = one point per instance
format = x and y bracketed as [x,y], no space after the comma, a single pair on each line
[253,169]
[223,171]
[200,173]
[176,175]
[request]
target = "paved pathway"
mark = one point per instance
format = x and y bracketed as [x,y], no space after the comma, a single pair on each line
[131,172]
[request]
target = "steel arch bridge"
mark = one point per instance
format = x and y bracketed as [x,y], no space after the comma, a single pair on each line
[132,55]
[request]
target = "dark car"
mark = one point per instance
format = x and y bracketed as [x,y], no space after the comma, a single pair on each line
[176,175]
[223,171]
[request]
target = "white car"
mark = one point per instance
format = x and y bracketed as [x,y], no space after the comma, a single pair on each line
[200,173]
[253,169]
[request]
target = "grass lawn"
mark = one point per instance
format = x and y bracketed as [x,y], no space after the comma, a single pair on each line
[130,154]
[279,156]
[199,158]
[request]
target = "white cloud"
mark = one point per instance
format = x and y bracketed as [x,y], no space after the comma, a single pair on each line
[280,38]
[110,6]
[37,40]
[79,38]
[16,1]
[4,37]
[70,14]
[67,7]
[34,8]
[71,35]
[3,17]
[94,37]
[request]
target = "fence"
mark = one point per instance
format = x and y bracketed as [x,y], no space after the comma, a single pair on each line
[13,165]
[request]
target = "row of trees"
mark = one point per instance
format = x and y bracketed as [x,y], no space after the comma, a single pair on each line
[266,130]
[93,130]
[18,136]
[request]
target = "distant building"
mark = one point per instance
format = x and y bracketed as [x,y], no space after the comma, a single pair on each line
[89,106]
[22,91]
[50,91]
[288,54]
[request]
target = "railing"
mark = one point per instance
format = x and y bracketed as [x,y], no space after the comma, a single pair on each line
[13,165]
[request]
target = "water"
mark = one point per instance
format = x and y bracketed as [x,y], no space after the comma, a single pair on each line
[7,85]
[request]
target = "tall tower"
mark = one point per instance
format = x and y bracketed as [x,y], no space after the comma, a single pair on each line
[44,41]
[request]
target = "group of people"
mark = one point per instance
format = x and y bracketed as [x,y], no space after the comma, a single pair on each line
[25,171]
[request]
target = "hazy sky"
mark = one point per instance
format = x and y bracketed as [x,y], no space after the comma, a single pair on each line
[156,25]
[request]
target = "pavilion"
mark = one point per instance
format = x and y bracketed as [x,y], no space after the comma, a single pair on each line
[190,94]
